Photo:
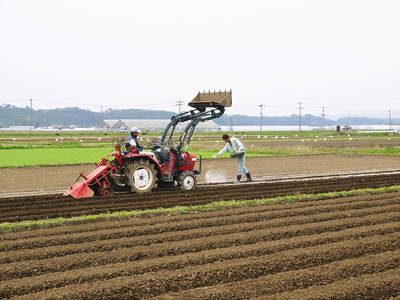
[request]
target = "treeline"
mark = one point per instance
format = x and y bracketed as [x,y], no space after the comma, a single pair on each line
[293,120]
[71,116]
[74,116]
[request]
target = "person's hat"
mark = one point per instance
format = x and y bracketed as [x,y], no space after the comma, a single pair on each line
[135,129]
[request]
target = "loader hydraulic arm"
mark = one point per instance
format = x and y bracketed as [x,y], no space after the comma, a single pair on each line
[207,106]
[186,137]
[195,116]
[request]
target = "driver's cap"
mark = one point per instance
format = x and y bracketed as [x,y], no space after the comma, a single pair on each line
[135,129]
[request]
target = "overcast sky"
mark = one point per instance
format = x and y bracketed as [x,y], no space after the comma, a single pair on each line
[341,54]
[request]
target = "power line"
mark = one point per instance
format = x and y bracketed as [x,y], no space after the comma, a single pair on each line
[390,120]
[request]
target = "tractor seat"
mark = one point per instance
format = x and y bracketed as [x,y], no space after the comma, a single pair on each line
[162,155]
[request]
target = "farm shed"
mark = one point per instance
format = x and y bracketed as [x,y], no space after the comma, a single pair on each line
[158,125]
[107,125]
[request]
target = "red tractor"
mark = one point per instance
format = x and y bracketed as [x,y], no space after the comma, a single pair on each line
[161,164]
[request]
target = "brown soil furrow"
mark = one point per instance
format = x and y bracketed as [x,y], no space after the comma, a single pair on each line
[192,198]
[82,260]
[204,189]
[217,226]
[124,223]
[373,286]
[73,205]
[58,279]
[292,280]
[275,230]
[93,209]
[153,284]
[39,213]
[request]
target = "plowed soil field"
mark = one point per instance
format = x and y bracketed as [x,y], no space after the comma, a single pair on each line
[50,206]
[345,248]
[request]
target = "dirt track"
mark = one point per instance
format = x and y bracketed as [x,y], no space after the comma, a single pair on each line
[60,177]
[50,206]
[335,248]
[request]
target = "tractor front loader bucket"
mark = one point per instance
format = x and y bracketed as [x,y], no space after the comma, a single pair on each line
[81,189]
[212,99]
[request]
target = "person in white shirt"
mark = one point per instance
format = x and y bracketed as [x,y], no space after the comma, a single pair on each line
[237,150]
[132,139]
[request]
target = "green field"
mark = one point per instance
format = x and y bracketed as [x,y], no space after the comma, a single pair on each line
[71,156]
[50,156]
[312,133]
[40,149]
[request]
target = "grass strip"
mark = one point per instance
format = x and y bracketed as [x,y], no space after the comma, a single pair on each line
[51,156]
[26,157]
[9,227]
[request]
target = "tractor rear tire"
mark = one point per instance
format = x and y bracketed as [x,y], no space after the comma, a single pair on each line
[141,176]
[187,181]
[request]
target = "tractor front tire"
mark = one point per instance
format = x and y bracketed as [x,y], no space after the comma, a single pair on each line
[187,181]
[141,176]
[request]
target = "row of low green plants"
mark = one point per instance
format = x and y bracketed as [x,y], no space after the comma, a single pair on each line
[8,227]
[81,155]
[250,153]
[323,133]
[51,156]
[196,143]
[39,145]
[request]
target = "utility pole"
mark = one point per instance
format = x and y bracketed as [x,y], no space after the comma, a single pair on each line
[261,116]
[230,124]
[300,108]
[102,119]
[323,116]
[179,103]
[30,116]
[349,121]
[390,120]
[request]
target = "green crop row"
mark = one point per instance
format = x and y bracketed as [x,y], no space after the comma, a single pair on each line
[81,155]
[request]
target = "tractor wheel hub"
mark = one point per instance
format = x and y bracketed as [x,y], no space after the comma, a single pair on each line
[188,182]
[141,178]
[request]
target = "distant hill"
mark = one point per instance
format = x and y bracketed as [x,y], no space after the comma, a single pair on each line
[11,116]
[309,120]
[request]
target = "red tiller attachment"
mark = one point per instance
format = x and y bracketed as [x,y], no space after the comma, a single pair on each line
[81,189]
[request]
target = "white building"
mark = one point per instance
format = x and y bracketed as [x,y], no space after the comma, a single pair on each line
[155,125]
[18,128]
[107,125]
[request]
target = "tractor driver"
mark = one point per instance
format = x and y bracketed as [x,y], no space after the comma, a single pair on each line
[132,139]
